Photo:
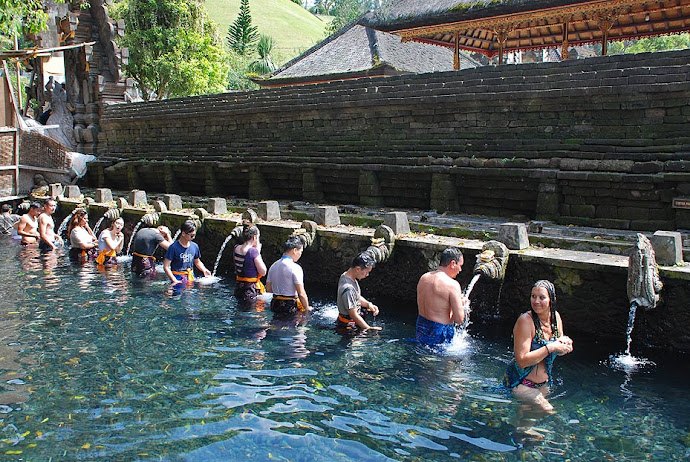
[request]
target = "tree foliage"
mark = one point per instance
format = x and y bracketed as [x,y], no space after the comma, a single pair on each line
[661,43]
[346,11]
[174,49]
[241,33]
[20,16]
[263,64]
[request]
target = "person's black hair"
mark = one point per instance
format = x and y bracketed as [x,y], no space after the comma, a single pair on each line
[292,242]
[48,200]
[35,205]
[449,255]
[363,260]
[188,227]
[248,232]
[6,208]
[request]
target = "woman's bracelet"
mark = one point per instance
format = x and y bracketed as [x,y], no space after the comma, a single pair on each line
[548,352]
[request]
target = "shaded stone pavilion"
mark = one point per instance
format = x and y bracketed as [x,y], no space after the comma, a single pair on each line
[496,27]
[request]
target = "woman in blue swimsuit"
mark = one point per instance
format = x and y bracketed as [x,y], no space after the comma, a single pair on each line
[538,339]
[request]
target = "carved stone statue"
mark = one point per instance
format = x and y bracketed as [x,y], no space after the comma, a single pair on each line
[644,283]
[61,115]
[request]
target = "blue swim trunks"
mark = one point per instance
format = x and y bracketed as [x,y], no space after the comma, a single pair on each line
[432,333]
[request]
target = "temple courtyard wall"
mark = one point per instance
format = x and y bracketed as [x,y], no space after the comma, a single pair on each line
[602,141]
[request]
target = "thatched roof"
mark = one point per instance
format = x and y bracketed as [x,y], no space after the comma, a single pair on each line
[357,51]
[411,13]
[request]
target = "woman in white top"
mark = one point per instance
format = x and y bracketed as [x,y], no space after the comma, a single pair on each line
[110,243]
[82,239]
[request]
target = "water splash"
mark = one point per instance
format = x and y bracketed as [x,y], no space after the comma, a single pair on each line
[626,362]
[220,253]
[98,225]
[461,344]
[64,223]
[470,286]
[134,233]
[207,280]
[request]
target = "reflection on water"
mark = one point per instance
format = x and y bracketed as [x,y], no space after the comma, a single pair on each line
[100,365]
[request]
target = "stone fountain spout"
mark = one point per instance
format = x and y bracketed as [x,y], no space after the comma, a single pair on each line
[492,261]
[644,283]
[151,219]
[382,244]
[307,233]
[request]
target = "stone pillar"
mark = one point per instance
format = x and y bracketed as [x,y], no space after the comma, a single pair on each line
[444,195]
[548,200]
[398,222]
[104,195]
[170,180]
[72,191]
[258,188]
[55,189]
[211,182]
[369,189]
[132,176]
[311,186]
[217,206]
[513,235]
[269,210]
[668,247]
[137,197]
[327,215]
[172,201]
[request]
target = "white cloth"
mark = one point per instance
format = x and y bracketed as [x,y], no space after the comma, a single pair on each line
[80,237]
[284,275]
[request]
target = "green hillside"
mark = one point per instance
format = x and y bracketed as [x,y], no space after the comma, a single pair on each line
[293,28]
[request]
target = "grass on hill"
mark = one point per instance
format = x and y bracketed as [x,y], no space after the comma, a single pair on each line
[293,28]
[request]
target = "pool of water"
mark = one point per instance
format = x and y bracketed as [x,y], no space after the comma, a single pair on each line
[96,365]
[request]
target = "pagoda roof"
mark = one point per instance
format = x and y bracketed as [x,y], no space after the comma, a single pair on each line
[525,24]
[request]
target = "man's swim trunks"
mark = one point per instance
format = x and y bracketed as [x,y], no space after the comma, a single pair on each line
[143,265]
[286,306]
[432,333]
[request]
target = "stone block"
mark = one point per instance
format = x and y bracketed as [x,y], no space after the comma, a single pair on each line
[398,222]
[72,191]
[137,197]
[217,206]
[121,203]
[269,210]
[513,235]
[327,215]
[55,190]
[159,206]
[172,201]
[103,195]
[668,247]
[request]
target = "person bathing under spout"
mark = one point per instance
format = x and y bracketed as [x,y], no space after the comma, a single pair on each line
[249,266]
[110,243]
[440,301]
[286,280]
[538,339]
[144,246]
[182,256]
[350,300]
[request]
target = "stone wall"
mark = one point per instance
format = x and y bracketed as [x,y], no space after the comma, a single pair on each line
[591,292]
[601,141]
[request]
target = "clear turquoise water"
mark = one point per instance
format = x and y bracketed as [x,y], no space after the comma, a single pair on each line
[97,366]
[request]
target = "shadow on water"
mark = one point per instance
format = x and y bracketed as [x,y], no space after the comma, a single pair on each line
[97,365]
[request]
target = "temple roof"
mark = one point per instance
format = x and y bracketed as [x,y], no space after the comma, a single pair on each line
[357,51]
[525,24]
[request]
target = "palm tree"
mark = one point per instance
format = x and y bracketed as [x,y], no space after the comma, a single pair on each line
[264,64]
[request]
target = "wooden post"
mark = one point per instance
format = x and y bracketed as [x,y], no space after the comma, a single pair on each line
[456,55]
[19,83]
[564,48]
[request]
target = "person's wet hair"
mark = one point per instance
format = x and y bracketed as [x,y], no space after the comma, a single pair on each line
[363,260]
[188,227]
[292,242]
[248,232]
[449,255]
[551,290]
[6,208]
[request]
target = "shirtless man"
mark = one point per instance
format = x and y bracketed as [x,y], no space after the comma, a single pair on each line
[46,227]
[440,301]
[27,227]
